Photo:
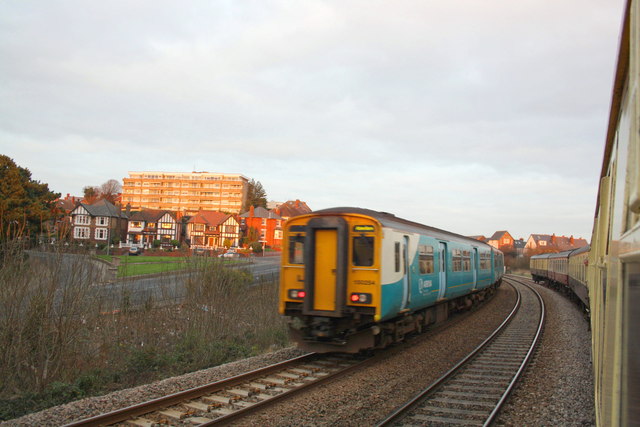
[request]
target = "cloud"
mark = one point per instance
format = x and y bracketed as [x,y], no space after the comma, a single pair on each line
[431,109]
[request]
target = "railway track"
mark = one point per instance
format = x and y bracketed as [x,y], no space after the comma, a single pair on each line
[223,401]
[474,390]
[227,400]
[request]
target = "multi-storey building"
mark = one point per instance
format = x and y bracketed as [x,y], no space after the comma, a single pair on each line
[185,192]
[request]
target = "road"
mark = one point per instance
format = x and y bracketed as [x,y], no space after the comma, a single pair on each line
[166,288]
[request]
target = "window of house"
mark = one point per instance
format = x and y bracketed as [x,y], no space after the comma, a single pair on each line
[296,249]
[277,234]
[425,259]
[198,227]
[363,251]
[83,219]
[166,225]
[136,224]
[542,243]
[101,234]
[81,232]
[102,220]
[264,221]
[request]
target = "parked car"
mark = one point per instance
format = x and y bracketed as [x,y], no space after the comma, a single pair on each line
[229,254]
[135,250]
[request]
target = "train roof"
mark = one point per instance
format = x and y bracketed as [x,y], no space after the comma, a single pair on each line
[563,254]
[390,220]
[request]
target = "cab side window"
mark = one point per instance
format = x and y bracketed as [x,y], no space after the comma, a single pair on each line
[296,249]
[363,251]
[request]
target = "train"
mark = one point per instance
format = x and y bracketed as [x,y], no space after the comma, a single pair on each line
[609,269]
[566,271]
[355,279]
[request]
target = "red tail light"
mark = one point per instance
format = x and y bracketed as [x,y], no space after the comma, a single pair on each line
[360,298]
[297,293]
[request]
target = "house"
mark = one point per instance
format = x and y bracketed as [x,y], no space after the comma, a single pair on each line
[148,225]
[210,230]
[480,238]
[292,208]
[267,223]
[99,222]
[519,245]
[541,243]
[501,240]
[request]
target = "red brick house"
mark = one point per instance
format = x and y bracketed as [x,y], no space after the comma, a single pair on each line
[501,240]
[267,223]
[292,208]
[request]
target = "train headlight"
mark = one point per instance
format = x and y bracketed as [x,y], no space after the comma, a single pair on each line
[297,293]
[360,298]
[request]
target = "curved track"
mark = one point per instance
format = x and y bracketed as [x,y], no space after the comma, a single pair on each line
[473,391]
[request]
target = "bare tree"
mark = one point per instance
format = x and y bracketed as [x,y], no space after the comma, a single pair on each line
[110,190]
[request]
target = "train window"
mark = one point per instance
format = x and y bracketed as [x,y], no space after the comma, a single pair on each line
[485,261]
[466,261]
[296,249]
[363,251]
[456,254]
[425,259]
[397,256]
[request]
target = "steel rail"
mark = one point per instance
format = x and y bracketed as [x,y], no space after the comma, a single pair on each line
[420,398]
[527,358]
[124,414]
[416,400]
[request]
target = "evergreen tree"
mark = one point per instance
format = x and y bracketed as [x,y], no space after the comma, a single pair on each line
[256,196]
[25,204]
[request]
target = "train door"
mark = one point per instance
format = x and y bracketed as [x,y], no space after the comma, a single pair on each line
[406,274]
[475,267]
[324,297]
[325,258]
[442,270]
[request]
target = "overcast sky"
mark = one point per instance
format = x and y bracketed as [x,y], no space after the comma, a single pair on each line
[471,116]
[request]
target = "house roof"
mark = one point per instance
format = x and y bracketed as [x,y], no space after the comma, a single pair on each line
[519,244]
[261,212]
[149,215]
[293,208]
[562,242]
[498,234]
[480,238]
[103,208]
[211,218]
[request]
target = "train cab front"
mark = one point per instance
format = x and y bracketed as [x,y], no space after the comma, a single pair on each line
[330,281]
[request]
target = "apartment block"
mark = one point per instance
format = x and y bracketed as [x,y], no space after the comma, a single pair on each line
[185,192]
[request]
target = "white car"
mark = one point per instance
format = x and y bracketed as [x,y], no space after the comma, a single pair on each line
[229,254]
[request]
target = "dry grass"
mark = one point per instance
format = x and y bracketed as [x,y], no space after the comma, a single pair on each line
[60,339]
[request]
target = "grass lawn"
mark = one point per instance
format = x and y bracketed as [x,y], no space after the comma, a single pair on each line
[137,265]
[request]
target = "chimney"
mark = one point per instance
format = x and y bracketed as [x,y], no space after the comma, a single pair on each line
[571,240]
[251,211]
[553,239]
[297,203]
[278,211]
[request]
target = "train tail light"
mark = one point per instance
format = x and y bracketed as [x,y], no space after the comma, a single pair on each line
[297,293]
[359,298]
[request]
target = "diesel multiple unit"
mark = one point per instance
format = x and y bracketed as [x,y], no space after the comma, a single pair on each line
[356,279]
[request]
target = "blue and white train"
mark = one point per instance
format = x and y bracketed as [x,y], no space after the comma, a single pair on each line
[355,279]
